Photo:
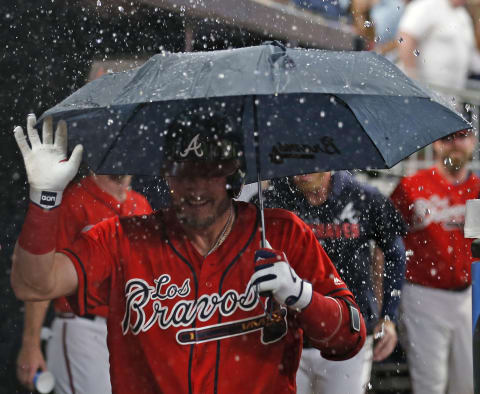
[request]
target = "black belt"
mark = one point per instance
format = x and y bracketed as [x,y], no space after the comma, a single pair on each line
[455,289]
[69,315]
[458,289]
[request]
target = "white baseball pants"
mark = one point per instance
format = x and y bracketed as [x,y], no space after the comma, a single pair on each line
[77,355]
[317,375]
[436,333]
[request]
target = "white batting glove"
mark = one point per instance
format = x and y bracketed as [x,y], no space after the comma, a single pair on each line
[48,170]
[273,274]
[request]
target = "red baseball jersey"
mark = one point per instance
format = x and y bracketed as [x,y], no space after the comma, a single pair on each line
[182,323]
[84,204]
[434,210]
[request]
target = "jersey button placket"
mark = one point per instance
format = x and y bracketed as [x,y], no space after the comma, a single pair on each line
[208,281]
[207,285]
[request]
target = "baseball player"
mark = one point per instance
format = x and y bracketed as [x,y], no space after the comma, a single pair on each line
[195,305]
[436,299]
[77,352]
[346,216]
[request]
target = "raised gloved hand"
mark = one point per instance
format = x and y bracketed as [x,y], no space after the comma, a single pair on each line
[48,169]
[274,274]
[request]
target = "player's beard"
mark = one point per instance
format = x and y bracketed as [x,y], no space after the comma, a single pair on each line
[202,222]
[455,160]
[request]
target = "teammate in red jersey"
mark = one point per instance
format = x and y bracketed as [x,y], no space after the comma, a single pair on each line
[183,285]
[77,370]
[436,298]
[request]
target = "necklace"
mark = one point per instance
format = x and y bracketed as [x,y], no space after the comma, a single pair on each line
[224,233]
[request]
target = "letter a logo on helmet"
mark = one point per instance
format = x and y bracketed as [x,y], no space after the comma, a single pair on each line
[195,146]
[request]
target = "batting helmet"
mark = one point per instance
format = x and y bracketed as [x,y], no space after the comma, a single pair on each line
[208,143]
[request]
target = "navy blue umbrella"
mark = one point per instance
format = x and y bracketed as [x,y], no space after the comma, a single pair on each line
[300,110]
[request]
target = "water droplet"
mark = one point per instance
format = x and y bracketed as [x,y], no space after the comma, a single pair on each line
[367,24]
[416,52]
[400,40]
[221,76]
[396,293]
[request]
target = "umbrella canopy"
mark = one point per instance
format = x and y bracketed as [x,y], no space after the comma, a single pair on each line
[300,110]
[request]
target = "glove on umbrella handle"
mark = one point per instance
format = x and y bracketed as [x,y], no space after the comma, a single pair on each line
[265,257]
[275,275]
[46,164]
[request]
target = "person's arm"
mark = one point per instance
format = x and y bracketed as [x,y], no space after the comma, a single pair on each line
[406,54]
[334,325]
[360,10]
[30,357]
[393,277]
[377,274]
[386,47]
[387,230]
[40,277]
[38,273]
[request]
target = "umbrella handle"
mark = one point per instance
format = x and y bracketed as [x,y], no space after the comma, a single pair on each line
[262,216]
[273,306]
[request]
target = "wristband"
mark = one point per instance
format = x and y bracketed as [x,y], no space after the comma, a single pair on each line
[303,299]
[45,199]
[39,230]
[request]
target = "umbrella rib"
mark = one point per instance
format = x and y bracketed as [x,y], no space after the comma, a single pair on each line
[134,112]
[197,78]
[363,128]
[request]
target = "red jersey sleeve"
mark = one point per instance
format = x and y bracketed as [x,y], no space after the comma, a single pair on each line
[402,201]
[93,255]
[327,321]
